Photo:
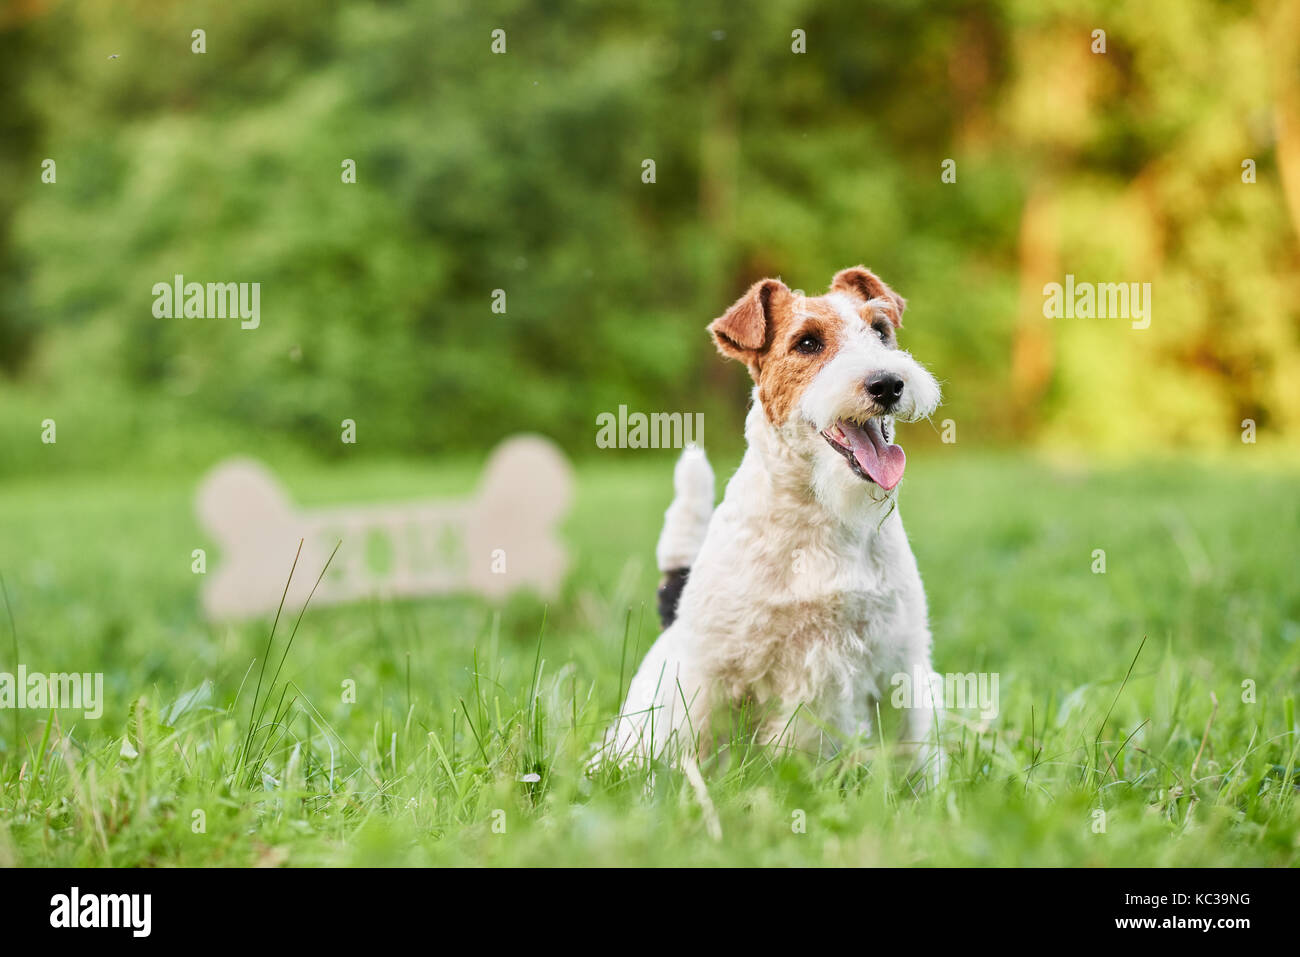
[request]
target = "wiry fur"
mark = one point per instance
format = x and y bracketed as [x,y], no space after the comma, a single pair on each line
[804,597]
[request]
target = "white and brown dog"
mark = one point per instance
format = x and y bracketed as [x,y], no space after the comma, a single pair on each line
[798,597]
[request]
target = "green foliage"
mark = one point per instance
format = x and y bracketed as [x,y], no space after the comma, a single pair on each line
[522,172]
[456,701]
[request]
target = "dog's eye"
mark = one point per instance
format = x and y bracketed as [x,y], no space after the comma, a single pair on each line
[809,345]
[882,330]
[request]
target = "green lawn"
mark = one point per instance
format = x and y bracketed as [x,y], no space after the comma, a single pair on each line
[455,703]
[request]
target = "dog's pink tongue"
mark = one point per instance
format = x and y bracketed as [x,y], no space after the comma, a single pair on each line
[882,461]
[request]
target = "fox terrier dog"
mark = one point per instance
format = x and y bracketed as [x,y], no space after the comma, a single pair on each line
[798,597]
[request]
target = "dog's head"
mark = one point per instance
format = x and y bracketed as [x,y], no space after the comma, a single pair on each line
[831,378]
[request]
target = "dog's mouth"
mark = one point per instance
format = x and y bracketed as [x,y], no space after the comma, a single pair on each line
[867,449]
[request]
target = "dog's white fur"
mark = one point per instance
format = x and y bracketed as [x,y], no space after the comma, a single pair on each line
[803,596]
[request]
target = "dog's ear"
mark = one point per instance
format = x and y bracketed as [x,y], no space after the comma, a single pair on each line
[745,330]
[861,282]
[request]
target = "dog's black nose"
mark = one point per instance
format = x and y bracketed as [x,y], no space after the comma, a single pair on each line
[886,388]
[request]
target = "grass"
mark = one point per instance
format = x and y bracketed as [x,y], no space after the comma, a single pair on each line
[460,703]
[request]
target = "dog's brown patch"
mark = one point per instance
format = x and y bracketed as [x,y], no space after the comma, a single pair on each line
[764,327]
[861,283]
[783,371]
[743,331]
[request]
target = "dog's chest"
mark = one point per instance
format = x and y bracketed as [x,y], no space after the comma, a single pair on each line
[845,595]
[799,598]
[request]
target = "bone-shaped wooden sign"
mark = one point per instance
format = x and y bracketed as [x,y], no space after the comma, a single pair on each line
[502,538]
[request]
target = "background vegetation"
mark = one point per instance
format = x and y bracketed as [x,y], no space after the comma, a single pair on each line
[522,172]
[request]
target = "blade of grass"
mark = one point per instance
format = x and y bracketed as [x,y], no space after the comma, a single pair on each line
[13,633]
[252,714]
[1122,684]
[293,634]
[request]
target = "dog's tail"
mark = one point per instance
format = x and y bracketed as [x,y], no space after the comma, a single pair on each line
[685,523]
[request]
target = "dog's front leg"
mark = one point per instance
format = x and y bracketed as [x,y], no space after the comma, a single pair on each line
[667,705]
[920,731]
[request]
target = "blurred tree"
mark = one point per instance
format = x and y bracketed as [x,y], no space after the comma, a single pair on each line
[522,171]
[19,163]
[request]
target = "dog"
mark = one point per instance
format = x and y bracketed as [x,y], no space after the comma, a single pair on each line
[798,598]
